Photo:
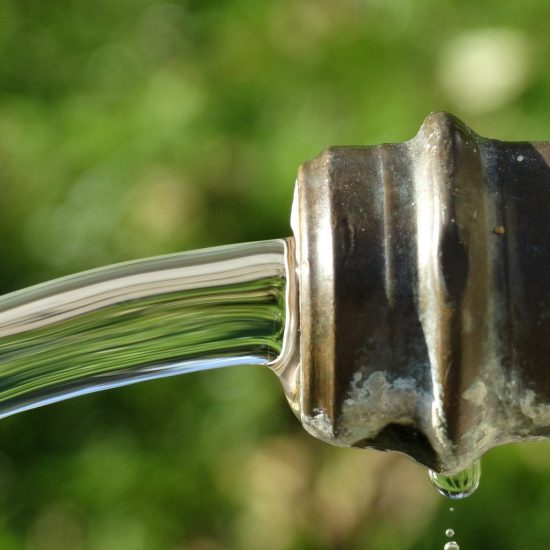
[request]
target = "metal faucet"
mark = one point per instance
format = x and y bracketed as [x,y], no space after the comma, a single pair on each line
[410,312]
[424,290]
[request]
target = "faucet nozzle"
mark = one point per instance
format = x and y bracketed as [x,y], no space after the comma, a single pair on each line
[424,290]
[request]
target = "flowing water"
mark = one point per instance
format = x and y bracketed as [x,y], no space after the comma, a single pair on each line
[142,320]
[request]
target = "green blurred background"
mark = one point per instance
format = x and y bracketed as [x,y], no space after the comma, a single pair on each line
[131,128]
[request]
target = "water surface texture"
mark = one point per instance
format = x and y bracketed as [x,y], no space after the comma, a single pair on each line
[142,320]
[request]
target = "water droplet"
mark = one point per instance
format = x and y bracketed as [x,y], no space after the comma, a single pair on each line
[451,509]
[460,485]
[450,533]
[451,545]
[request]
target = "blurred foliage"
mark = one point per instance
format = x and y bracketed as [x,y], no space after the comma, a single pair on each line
[135,127]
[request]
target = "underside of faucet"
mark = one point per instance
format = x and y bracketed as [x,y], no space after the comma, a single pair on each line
[423,272]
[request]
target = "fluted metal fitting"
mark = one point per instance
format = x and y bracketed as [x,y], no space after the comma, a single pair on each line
[424,289]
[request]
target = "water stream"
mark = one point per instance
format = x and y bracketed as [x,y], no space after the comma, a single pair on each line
[141,320]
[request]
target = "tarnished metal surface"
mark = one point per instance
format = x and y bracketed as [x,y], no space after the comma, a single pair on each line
[424,282]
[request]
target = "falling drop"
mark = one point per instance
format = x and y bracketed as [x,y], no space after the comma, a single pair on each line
[460,485]
[449,533]
[451,545]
